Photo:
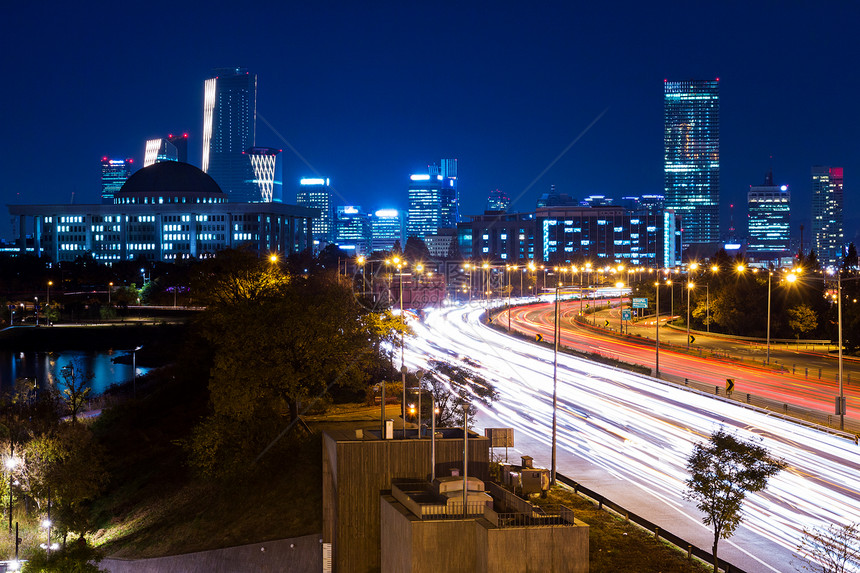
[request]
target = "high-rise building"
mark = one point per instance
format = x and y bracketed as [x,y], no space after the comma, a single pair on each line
[450,197]
[352,229]
[263,161]
[769,216]
[114,174]
[170,148]
[433,200]
[386,228]
[691,159]
[498,201]
[316,192]
[827,231]
[229,129]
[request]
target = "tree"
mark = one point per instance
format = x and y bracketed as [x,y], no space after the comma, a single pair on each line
[79,557]
[722,472]
[78,386]
[833,549]
[801,319]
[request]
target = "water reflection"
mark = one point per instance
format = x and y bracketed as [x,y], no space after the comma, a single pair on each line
[45,368]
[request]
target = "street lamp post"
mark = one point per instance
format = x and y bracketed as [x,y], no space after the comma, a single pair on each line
[11,464]
[769,276]
[556,333]
[841,408]
[690,287]
[36,309]
[134,370]
[48,304]
[657,330]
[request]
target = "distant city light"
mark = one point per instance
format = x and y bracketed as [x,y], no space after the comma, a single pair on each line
[784,188]
[420,177]
[312,181]
[386,213]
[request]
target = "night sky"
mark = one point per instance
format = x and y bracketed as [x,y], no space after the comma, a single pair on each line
[368,93]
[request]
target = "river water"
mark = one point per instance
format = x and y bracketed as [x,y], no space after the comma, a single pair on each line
[44,367]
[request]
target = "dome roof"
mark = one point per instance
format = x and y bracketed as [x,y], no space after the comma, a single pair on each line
[171,179]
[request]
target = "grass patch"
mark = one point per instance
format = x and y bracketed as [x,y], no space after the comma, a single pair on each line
[617,545]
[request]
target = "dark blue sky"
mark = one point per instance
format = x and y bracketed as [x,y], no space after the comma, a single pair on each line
[368,93]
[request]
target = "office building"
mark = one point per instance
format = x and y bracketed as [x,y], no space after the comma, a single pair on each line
[115,172]
[352,229]
[263,161]
[229,129]
[433,200]
[565,235]
[165,212]
[498,201]
[554,198]
[827,232]
[769,217]
[386,229]
[691,170]
[170,148]
[316,192]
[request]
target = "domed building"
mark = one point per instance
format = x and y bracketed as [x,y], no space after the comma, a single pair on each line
[165,212]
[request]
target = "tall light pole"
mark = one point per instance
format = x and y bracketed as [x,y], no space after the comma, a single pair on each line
[134,370]
[839,314]
[48,304]
[11,464]
[769,275]
[556,334]
[36,309]
[690,287]
[657,330]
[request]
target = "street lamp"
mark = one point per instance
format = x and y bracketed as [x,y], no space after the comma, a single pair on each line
[690,287]
[134,370]
[555,334]
[657,330]
[36,308]
[48,305]
[110,291]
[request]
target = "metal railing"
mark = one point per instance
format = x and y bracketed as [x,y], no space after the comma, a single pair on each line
[544,516]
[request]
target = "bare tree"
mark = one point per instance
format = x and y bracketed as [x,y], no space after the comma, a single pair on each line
[78,386]
[832,549]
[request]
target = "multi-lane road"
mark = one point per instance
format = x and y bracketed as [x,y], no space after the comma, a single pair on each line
[628,437]
[782,385]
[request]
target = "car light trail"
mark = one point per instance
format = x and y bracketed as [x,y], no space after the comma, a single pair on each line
[639,430]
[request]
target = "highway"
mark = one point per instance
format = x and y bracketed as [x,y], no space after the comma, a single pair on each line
[777,384]
[628,437]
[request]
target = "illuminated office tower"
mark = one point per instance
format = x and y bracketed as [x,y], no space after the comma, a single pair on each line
[229,126]
[769,215]
[317,193]
[498,201]
[827,232]
[449,209]
[352,229]
[263,161]
[386,228]
[170,148]
[114,174]
[425,204]
[691,159]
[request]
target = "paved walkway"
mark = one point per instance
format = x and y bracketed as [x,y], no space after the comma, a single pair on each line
[297,555]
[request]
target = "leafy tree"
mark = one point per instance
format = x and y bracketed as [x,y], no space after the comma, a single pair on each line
[456,388]
[833,549]
[801,319]
[78,557]
[416,250]
[78,386]
[851,262]
[722,472]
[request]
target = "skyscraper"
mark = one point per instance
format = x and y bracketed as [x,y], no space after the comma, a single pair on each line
[769,211]
[386,228]
[170,148]
[229,129]
[114,174]
[827,232]
[433,200]
[352,229]
[691,159]
[498,201]
[263,161]
[317,193]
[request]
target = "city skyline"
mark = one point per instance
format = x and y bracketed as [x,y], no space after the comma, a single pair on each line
[515,88]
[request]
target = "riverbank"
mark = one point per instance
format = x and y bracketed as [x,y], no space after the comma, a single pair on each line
[112,336]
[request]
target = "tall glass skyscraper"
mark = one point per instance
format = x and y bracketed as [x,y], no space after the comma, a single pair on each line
[434,201]
[114,174]
[769,210]
[229,129]
[386,230]
[317,193]
[827,232]
[170,148]
[263,161]
[691,158]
